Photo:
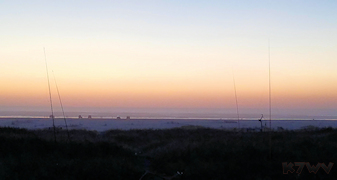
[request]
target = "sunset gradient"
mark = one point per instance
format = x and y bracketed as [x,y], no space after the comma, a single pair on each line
[169,54]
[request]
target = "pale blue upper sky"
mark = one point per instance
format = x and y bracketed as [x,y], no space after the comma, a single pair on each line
[201,21]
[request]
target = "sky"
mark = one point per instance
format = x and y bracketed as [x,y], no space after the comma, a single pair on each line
[170,55]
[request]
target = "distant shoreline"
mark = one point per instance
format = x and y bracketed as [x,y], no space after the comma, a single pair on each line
[104,124]
[169,118]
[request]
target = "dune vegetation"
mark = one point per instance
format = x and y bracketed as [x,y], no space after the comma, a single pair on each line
[179,153]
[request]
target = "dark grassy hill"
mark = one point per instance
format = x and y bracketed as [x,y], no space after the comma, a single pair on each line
[182,153]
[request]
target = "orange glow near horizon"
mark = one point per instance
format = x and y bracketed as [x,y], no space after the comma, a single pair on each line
[169,94]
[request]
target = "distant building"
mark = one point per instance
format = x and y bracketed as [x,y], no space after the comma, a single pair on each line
[252,129]
[89,117]
[51,116]
[127,117]
[79,117]
[118,117]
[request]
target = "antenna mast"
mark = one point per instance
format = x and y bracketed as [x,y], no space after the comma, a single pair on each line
[64,116]
[270,130]
[50,99]
[269,86]
[236,100]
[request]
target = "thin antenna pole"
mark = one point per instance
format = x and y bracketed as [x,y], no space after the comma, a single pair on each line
[236,100]
[50,99]
[64,116]
[269,85]
[270,130]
